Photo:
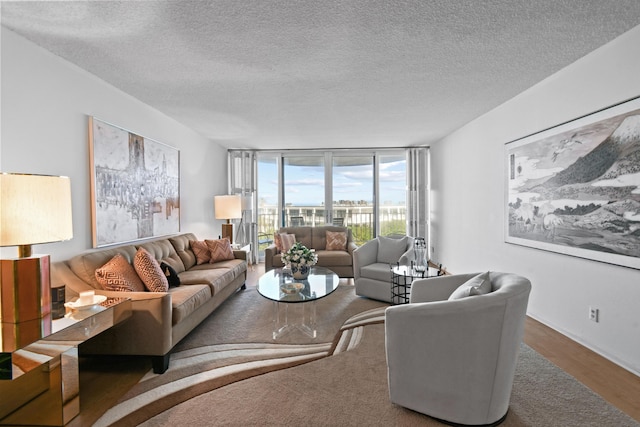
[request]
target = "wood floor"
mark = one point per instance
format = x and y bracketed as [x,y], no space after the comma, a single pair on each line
[614,384]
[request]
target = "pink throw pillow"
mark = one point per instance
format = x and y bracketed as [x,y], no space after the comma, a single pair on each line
[201,250]
[150,272]
[118,275]
[336,241]
[220,250]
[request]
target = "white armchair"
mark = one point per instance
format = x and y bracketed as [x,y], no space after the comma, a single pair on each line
[371,272]
[455,360]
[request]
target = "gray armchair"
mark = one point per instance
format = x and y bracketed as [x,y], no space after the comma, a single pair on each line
[455,360]
[371,261]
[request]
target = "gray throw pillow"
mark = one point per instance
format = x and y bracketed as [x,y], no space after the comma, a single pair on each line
[390,250]
[477,285]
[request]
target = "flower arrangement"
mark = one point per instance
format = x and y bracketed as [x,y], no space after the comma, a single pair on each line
[300,254]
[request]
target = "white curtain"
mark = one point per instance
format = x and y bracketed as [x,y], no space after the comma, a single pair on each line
[242,181]
[418,192]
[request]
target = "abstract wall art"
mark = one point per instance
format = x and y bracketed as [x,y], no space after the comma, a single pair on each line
[575,188]
[135,185]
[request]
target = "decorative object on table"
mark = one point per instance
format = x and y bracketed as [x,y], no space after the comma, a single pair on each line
[57,301]
[420,254]
[34,209]
[301,260]
[87,303]
[572,189]
[228,207]
[292,288]
[135,185]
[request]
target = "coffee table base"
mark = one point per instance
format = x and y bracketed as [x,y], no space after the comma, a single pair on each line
[281,315]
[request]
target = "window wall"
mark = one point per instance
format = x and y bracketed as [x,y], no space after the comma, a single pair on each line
[381,192]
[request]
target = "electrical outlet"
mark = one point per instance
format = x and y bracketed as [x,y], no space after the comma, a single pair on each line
[594,314]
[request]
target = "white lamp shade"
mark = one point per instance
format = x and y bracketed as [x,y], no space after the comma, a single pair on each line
[34,209]
[228,207]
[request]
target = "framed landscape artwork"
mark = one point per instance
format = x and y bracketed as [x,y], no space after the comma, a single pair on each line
[575,188]
[135,185]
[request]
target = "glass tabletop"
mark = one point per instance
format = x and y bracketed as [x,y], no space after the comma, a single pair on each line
[282,287]
[412,272]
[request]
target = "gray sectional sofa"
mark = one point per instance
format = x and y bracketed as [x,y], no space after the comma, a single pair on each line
[159,320]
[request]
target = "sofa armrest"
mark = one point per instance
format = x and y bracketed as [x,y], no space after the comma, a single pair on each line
[147,332]
[436,288]
[238,254]
[366,254]
[269,252]
[352,246]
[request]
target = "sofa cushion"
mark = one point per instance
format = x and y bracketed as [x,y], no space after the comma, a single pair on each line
[330,258]
[477,285]
[216,276]
[149,271]
[220,250]
[376,271]
[163,251]
[118,275]
[187,299]
[200,248]
[181,244]
[319,235]
[85,265]
[171,274]
[303,235]
[390,250]
[336,241]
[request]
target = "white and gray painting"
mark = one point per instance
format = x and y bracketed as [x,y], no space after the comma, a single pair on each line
[136,186]
[579,189]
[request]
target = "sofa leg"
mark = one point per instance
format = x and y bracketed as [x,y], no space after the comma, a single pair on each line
[243,287]
[160,363]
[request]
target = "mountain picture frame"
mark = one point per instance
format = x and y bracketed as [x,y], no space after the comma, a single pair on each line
[574,188]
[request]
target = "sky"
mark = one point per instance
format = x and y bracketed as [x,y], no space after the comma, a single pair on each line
[304,185]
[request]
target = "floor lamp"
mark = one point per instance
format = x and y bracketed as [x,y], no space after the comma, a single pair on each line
[228,207]
[34,209]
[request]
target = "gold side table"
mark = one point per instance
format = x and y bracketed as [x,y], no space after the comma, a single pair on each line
[43,386]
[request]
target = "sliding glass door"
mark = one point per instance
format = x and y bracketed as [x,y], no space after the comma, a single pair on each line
[353,195]
[304,190]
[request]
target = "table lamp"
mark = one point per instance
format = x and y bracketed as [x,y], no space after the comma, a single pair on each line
[228,207]
[34,209]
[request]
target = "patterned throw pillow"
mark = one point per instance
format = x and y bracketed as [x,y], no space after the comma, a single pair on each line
[118,275]
[336,241]
[287,241]
[171,275]
[278,241]
[220,250]
[150,272]
[201,250]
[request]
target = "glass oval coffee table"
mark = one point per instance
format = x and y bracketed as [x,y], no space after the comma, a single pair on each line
[281,288]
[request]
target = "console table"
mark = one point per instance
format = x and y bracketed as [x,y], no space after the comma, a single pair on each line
[43,387]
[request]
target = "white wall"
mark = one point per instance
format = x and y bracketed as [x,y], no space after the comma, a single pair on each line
[468,199]
[46,102]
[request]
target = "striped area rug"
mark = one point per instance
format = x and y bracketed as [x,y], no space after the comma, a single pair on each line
[198,370]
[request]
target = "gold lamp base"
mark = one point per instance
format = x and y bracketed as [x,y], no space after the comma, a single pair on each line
[227,231]
[25,301]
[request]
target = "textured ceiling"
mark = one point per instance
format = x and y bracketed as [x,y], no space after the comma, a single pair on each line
[322,73]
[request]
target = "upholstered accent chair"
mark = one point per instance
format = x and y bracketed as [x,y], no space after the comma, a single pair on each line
[371,265]
[455,360]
